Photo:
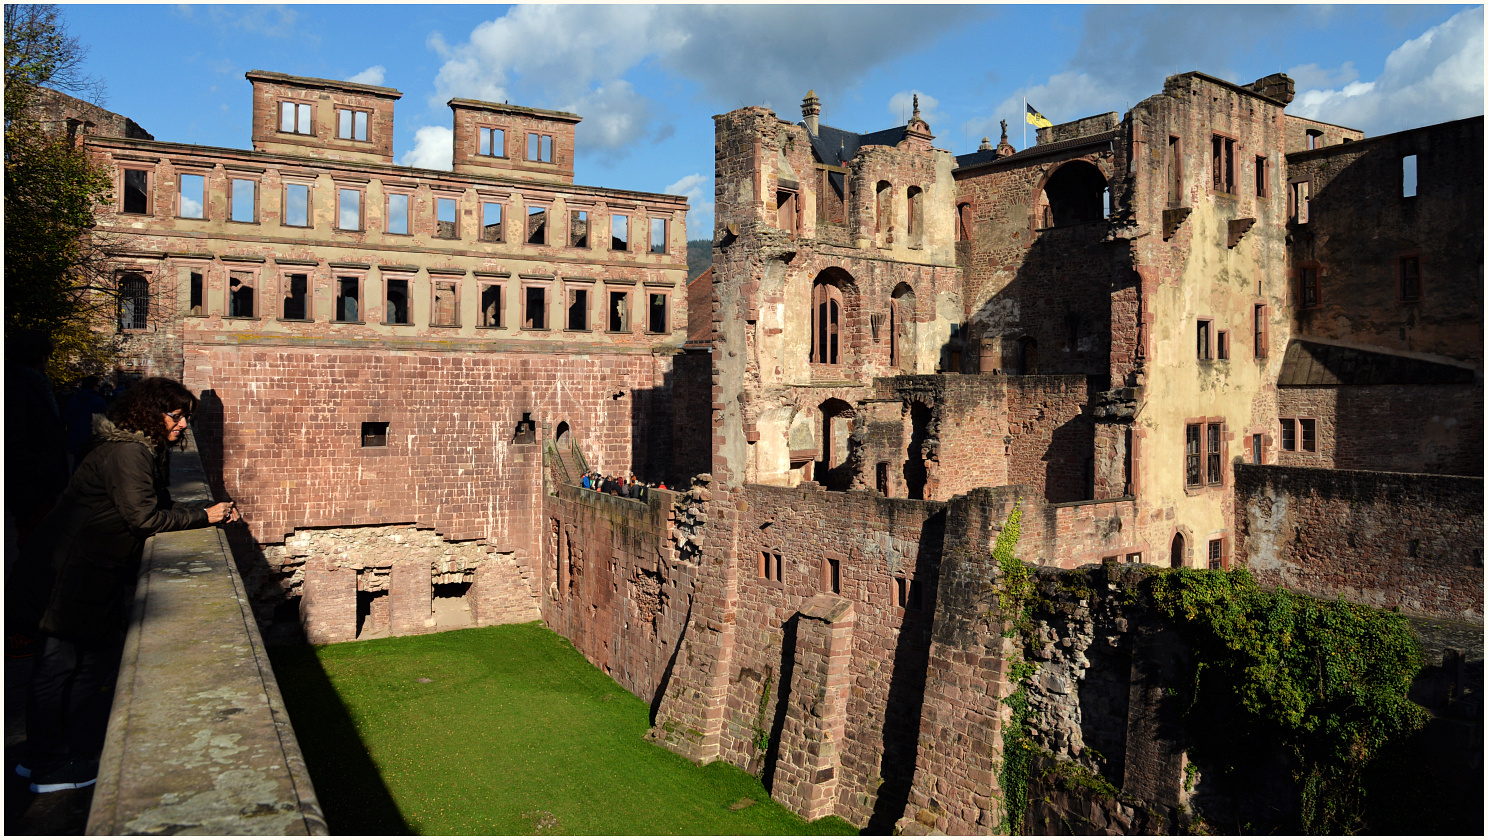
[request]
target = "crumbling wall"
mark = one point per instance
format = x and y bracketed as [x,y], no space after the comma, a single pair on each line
[1389,540]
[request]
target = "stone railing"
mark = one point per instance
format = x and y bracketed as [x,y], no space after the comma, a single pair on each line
[198,740]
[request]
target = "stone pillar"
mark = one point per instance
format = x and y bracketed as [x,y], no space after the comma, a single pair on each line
[411,591]
[816,714]
[328,607]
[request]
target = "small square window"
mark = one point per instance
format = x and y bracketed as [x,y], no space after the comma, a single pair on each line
[397,213]
[192,198]
[297,205]
[136,191]
[448,226]
[244,200]
[374,434]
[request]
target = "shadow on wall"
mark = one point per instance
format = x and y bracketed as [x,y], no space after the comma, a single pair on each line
[782,700]
[347,782]
[671,425]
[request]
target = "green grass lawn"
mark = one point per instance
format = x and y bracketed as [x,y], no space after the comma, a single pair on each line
[514,733]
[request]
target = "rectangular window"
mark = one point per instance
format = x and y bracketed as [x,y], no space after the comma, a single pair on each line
[535,308]
[619,312]
[448,219]
[1260,331]
[349,210]
[493,142]
[240,294]
[351,125]
[656,317]
[1308,281]
[397,213]
[1301,201]
[916,593]
[619,233]
[296,298]
[578,228]
[1212,452]
[547,148]
[446,310]
[770,566]
[832,576]
[1216,554]
[1410,278]
[397,300]
[490,305]
[490,222]
[658,236]
[1262,178]
[244,200]
[1175,174]
[578,309]
[1204,341]
[1193,455]
[901,592]
[374,434]
[1314,138]
[1224,164]
[192,199]
[297,205]
[537,225]
[1222,344]
[349,300]
[1288,435]
[198,295]
[294,118]
[1408,176]
[1308,428]
[785,211]
[1258,449]
[136,191]
[540,147]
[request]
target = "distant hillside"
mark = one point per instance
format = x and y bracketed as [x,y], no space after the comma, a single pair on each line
[699,257]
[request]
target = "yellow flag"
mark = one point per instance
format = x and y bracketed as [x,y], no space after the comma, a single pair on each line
[1035,118]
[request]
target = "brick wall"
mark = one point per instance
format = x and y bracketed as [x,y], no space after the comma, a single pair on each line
[1394,428]
[1390,540]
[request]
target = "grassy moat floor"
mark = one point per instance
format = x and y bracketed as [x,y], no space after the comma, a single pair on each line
[500,730]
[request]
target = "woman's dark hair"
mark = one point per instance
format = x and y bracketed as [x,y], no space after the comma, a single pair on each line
[142,408]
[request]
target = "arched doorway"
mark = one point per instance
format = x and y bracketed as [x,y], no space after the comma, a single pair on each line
[1074,194]
[1175,556]
[562,436]
[834,471]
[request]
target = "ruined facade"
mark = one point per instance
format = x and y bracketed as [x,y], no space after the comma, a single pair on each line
[1117,332]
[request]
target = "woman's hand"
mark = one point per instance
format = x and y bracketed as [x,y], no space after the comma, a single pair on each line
[222,512]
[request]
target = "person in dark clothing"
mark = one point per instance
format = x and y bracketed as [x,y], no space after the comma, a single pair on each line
[35,443]
[78,415]
[74,576]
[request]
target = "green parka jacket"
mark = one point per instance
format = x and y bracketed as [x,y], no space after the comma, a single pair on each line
[90,544]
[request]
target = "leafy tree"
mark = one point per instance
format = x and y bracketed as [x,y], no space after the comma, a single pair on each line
[56,277]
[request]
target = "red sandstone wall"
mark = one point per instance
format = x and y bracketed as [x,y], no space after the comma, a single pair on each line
[1396,428]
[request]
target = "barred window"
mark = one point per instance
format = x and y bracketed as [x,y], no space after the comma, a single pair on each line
[134,302]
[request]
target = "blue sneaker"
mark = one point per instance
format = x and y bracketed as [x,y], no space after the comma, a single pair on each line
[77,773]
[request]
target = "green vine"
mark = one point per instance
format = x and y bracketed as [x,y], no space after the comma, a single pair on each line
[1017,759]
[761,734]
[1326,679]
[1017,746]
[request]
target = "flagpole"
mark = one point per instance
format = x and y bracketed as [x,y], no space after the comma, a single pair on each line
[1025,121]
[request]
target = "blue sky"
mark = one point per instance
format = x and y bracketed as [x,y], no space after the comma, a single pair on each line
[648,79]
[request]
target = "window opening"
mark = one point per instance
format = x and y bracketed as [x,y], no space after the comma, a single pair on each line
[1216,474]
[374,434]
[1309,282]
[1261,178]
[547,149]
[397,213]
[785,211]
[349,216]
[490,302]
[240,295]
[619,233]
[834,471]
[1204,341]
[1301,201]
[1288,435]
[1216,554]
[1408,176]
[963,222]
[1193,455]
[832,576]
[448,219]
[535,313]
[1074,195]
[658,236]
[771,567]
[446,303]
[193,203]
[198,296]
[1260,331]
[397,302]
[831,203]
[916,475]
[134,302]
[884,207]
[1308,428]
[348,299]
[1175,186]
[1410,278]
[578,309]
[244,200]
[351,125]
[1175,553]
[826,323]
[493,142]
[1314,138]
[1222,344]
[881,478]
[491,221]
[294,117]
[901,592]
[657,313]
[916,217]
[136,191]
[619,312]
[1257,449]
[578,228]
[537,225]
[296,296]
[297,205]
[1224,164]
[916,595]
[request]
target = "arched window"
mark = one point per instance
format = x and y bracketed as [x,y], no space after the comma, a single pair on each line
[901,328]
[883,207]
[827,316]
[1074,194]
[916,218]
[963,222]
[134,302]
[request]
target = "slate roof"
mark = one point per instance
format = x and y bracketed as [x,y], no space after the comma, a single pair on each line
[977,158]
[1309,363]
[835,147]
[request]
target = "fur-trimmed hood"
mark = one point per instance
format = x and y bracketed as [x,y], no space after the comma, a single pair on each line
[104,431]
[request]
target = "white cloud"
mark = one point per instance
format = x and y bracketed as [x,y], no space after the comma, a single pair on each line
[699,192]
[1429,79]
[1066,96]
[901,106]
[433,148]
[371,76]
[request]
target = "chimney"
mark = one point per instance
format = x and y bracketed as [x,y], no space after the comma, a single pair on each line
[810,110]
[1278,86]
[986,145]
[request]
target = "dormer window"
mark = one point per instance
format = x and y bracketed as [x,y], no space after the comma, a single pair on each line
[493,142]
[351,125]
[540,147]
[294,118]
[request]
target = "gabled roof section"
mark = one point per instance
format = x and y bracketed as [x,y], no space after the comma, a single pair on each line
[835,147]
[1309,363]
